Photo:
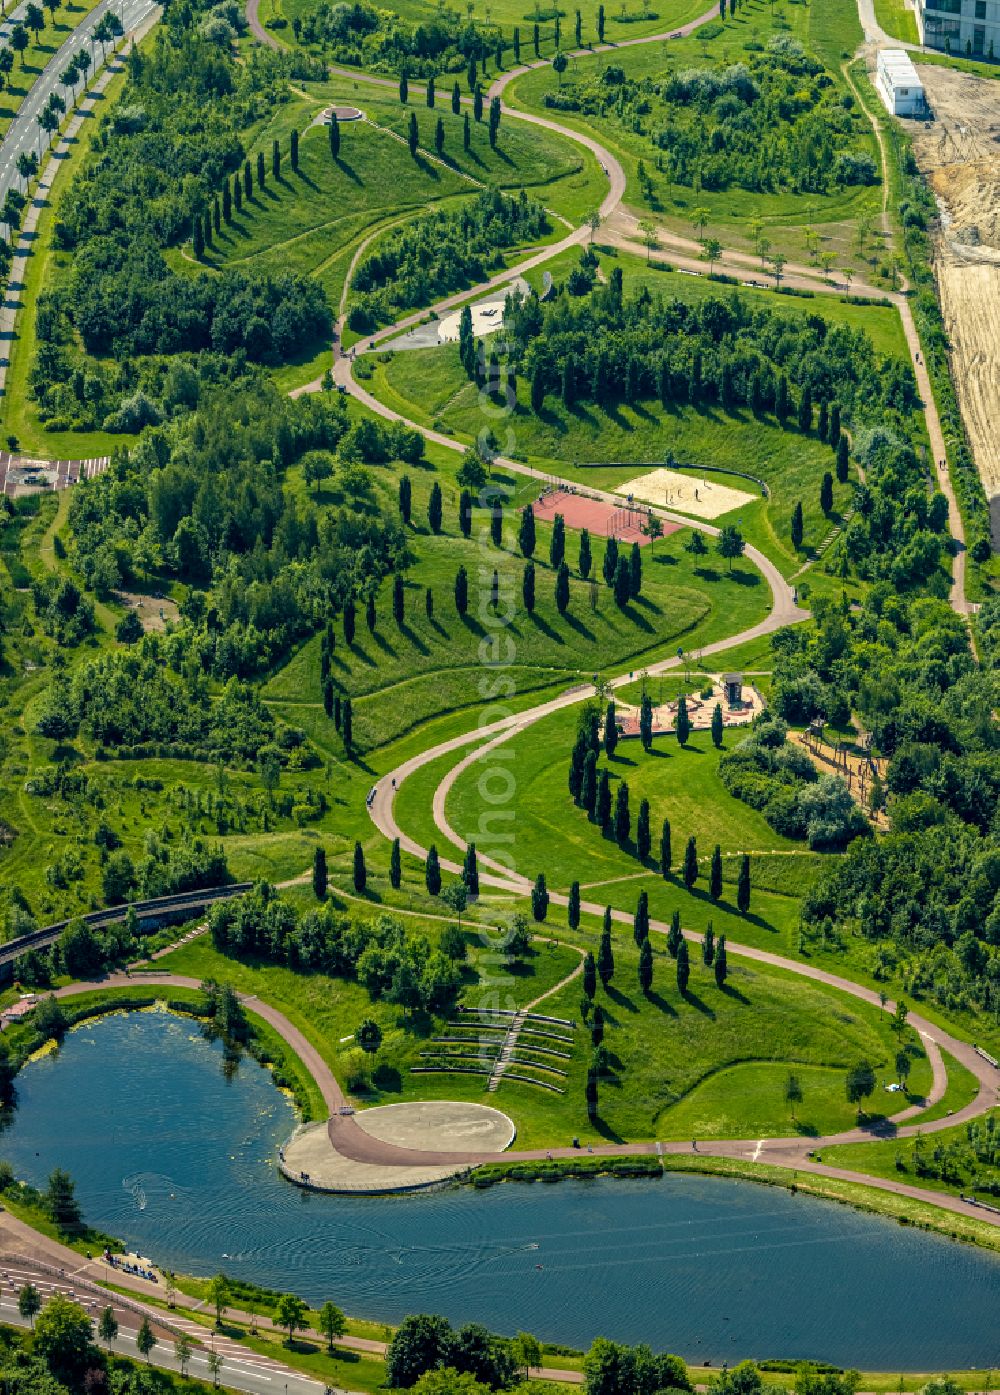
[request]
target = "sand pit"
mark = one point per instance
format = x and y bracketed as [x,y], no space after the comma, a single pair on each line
[705,498]
[486,317]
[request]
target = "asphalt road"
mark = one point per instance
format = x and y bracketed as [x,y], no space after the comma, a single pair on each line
[241,1370]
[24,132]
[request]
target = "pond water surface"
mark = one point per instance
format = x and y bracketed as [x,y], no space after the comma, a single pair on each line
[179,1161]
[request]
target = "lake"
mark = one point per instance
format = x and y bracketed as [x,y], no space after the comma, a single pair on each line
[178,1161]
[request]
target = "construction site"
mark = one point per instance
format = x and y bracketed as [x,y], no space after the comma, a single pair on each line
[959,155]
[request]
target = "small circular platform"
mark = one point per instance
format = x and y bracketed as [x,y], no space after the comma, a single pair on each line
[343,113]
[439,1126]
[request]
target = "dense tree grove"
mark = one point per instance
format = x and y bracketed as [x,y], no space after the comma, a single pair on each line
[158,162]
[390,962]
[441,252]
[202,498]
[927,893]
[773,122]
[382,41]
[772,775]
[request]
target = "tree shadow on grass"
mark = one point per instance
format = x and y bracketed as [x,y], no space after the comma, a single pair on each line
[622,1000]
[578,627]
[383,643]
[410,634]
[605,1130]
[732,992]
[540,623]
[743,578]
[471,623]
[697,1003]
[660,1003]
[349,171]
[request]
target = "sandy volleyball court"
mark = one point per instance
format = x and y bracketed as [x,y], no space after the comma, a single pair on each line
[706,498]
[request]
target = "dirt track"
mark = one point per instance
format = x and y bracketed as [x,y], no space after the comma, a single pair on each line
[959,152]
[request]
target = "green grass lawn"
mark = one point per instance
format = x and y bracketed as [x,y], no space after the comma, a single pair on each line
[404,674]
[898,20]
[430,386]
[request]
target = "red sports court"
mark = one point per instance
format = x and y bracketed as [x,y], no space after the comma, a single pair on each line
[624,522]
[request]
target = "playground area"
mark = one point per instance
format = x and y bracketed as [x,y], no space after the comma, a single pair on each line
[705,498]
[601,519]
[740,703]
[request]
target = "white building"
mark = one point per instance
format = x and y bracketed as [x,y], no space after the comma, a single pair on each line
[897,83]
[968,28]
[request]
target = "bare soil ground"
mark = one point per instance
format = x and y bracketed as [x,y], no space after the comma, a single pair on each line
[959,153]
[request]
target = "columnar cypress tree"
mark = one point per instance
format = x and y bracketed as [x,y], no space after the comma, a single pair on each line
[683,721]
[721,966]
[834,434]
[276,159]
[578,756]
[465,513]
[540,898]
[429,91]
[690,863]
[826,492]
[434,508]
[610,730]
[573,908]
[456,100]
[466,133]
[398,599]
[293,150]
[646,967]
[642,834]
[665,849]
[439,136]
[604,800]
[237,193]
[197,237]
[635,570]
[623,819]
[562,588]
[432,871]
[674,936]
[261,170]
[708,945]
[404,88]
[605,954]
[588,790]
[805,411]
[517,44]
[395,865]
[843,460]
[319,877]
[248,180]
[798,526]
[470,870]
[683,967]
[557,543]
[718,726]
[589,975]
[227,203]
[640,921]
[477,102]
[646,722]
[743,886]
[586,560]
[405,498]
[413,134]
[528,587]
[461,591]
[526,532]
[622,584]
[334,135]
[715,874]
[496,523]
[360,871]
[349,620]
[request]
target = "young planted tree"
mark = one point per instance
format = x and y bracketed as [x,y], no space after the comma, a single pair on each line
[585,560]
[331,1324]
[291,1313]
[793,1093]
[107,1328]
[145,1339]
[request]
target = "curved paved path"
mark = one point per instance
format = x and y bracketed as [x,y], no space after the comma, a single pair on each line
[352,1142]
